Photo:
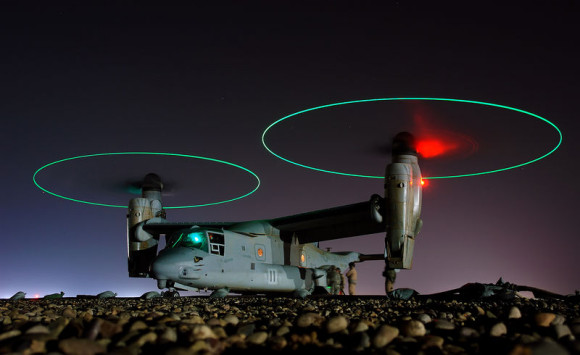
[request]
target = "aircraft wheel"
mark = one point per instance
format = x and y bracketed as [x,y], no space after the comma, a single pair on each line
[170,294]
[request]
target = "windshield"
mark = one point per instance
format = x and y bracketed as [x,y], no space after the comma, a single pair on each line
[195,239]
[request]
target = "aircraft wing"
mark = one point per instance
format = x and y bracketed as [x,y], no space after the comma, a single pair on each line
[160,226]
[333,223]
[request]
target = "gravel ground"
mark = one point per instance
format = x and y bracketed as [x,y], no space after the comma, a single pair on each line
[338,324]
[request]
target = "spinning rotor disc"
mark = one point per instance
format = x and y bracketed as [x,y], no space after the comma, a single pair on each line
[432,146]
[36,173]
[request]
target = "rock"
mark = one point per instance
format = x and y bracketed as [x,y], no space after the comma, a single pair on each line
[38,329]
[468,332]
[247,330]
[231,319]
[308,319]
[384,336]
[278,342]
[257,338]
[137,326]
[283,330]
[433,341]
[413,328]
[202,331]
[169,335]
[560,319]
[498,329]
[514,313]
[69,313]
[562,330]
[424,317]
[336,324]
[10,334]
[544,319]
[548,346]
[80,346]
[149,337]
[444,324]
[360,326]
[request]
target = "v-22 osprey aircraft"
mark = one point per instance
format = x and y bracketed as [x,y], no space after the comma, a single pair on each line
[279,255]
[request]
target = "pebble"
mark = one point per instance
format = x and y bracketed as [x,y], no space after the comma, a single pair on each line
[424,317]
[385,335]
[252,324]
[413,328]
[514,313]
[257,338]
[336,324]
[498,330]
[562,330]
[308,319]
[433,341]
[444,324]
[544,319]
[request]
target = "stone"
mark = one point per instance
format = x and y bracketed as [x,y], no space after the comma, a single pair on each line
[231,319]
[278,342]
[169,335]
[548,346]
[38,329]
[560,319]
[149,337]
[336,324]
[202,331]
[444,324]
[10,334]
[544,319]
[384,336]
[498,329]
[247,329]
[360,326]
[283,330]
[433,341]
[562,330]
[257,338]
[137,326]
[80,346]
[514,313]
[424,317]
[467,332]
[308,319]
[413,328]
[69,313]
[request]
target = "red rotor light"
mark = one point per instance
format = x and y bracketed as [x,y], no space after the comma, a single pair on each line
[432,147]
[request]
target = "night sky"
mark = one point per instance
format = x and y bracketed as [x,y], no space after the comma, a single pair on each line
[207,80]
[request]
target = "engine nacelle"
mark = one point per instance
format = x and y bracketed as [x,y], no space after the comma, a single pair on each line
[142,245]
[403,209]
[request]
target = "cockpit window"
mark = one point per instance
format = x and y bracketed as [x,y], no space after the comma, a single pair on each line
[190,239]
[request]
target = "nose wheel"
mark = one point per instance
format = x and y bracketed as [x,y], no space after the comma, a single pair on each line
[170,293]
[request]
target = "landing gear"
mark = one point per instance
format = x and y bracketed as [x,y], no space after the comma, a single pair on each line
[390,277]
[171,293]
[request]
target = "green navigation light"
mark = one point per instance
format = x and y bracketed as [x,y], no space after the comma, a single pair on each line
[146,153]
[418,99]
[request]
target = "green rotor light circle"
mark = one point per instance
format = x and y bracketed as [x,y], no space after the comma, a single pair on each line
[146,153]
[417,99]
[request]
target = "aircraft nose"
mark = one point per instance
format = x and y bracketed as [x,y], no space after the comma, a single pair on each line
[166,265]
